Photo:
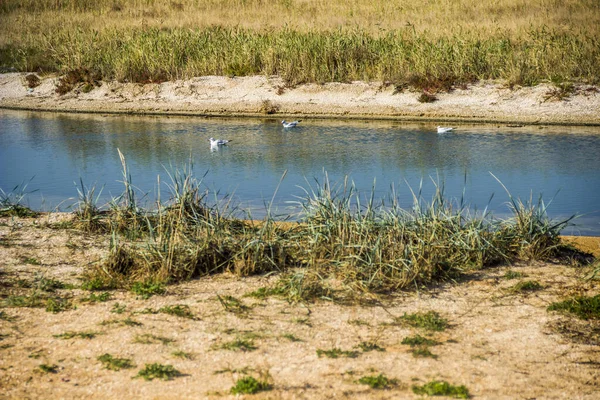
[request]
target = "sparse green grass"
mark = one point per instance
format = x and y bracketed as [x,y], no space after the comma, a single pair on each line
[127,322]
[233,305]
[423,352]
[81,335]
[418,340]
[115,364]
[158,371]
[179,310]
[249,385]
[149,338]
[98,298]
[429,321]
[442,388]
[31,261]
[147,289]
[48,368]
[510,274]
[97,284]
[337,353]
[358,322]
[526,286]
[118,308]
[581,306]
[5,317]
[291,337]
[238,345]
[370,346]
[183,354]
[58,304]
[378,381]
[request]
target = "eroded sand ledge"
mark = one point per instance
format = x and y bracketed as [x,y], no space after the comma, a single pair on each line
[260,96]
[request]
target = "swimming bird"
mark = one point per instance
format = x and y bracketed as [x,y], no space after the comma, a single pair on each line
[218,142]
[289,124]
[444,129]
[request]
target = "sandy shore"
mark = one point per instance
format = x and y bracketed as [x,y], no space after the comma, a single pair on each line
[260,96]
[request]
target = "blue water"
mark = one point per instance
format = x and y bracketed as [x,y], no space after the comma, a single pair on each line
[52,152]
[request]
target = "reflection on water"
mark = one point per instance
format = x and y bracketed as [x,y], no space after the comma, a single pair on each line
[57,150]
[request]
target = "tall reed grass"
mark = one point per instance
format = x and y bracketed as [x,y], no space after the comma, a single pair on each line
[400,57]
[343,244]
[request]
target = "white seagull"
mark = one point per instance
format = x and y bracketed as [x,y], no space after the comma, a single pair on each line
[218,142]
[444,129]
[289,124]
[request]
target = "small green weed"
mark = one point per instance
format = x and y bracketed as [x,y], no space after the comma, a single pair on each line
[115,364]
[583,307]
[429,321]
[441,388]
[82,335]
[179,310]
[48,368]
[33,300]
[378,381]
[291,337]
[183,354]
[423,352]
[147,289]
[58,304]
[98,298]
[96,284]
[358,322]
[127,322]
[370,346]
[233,305]
[148,338]
[239,345]
[336,353]
[418,340]
[510,274]
[526,286]
[249,385]
[158,371]
[35,355]
[118,308]
[31,261]
[5,317]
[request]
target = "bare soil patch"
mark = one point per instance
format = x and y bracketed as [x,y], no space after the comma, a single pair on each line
[499,343]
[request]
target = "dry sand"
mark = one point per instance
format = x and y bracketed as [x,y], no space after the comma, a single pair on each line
[260,95]
[500,344]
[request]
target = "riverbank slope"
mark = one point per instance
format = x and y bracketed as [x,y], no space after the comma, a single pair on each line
[257,96]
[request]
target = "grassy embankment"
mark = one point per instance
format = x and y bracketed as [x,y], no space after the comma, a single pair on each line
[431,45]
[342,248]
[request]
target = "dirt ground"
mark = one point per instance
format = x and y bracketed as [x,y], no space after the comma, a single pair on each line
[500,343]
[259,96]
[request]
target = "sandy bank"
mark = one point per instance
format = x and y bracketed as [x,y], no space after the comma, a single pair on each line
[259,96]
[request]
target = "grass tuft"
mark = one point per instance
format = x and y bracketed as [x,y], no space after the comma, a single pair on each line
[526,286]
[115,364]
[378,381]
[158,371]
[429,321]
[249,385]
[442,388]
[337,353]
[583,307]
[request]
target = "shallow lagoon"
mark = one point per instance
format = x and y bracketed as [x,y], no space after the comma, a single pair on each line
[51,152]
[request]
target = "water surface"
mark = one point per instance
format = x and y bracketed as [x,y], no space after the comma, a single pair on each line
[52,152]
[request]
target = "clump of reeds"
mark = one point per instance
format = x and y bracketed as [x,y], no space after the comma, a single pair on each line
[343,245]
[11,203]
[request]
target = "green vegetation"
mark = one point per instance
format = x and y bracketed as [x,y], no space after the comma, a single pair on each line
[239,344]
[98,298]
[378,381]
[249,385]
[442,388]
[337,353]
[115,364]
[423,352]
[179,310]
[48,368]
[581,306]
[526,286]
[510,274]
[429,321]
[370,346]
[418,340]
[183,354]
[158,371]
[147,289]
[11,203]
[58,304]
[233,305]
[82,335]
